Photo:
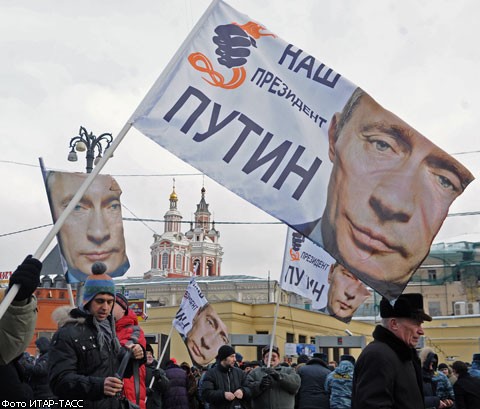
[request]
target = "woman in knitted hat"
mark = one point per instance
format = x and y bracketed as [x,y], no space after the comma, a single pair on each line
[85,353]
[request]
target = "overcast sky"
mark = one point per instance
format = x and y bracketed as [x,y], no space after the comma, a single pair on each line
[71,63]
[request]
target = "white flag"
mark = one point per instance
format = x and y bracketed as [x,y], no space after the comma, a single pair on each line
[284,131]
[192,301]
[305,269]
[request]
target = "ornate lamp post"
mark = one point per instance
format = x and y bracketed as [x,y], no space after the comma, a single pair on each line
[89,142]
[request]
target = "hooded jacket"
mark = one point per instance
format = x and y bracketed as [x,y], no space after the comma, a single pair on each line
[339,386]
[387,374]
[77,365]
[429,387]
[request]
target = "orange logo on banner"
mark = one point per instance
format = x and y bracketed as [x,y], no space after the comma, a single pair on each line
[203,64]
[218,80]
[294,255]
[254,30]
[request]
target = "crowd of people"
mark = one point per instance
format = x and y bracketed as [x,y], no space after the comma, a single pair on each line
[99,355]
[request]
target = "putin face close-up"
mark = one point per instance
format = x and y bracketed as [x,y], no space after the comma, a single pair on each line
[94,230]
[207,335]
[346,292]
[389,192]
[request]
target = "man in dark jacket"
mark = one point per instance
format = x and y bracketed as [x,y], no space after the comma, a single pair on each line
[435,383]
[85,352]
[467,387]
[387,373]
[39,371]
[160,384]
[312,393]
[225,385]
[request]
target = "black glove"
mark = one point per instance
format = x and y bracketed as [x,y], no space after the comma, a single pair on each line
[149,392]
[27,275]
[156,373]
[275,375]
[266,382]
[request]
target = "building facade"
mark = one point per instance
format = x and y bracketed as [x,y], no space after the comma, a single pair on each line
[196,253]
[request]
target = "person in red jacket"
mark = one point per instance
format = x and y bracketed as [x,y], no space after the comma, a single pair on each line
[129,332]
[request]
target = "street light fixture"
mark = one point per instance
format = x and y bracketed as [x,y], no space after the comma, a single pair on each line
[89,142]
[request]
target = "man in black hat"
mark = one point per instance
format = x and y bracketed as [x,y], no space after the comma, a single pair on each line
[225,385]
[388,373]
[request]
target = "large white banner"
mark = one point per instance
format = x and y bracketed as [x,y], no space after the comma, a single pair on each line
[292,136]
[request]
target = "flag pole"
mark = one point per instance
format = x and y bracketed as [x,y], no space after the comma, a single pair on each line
[76,198]
[44,175]
[161,357]
[274,329]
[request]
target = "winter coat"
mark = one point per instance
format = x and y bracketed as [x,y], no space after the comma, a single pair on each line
[282,393]
[16,329]
[160,385]
[78,366]
[429,387]
[339,386]
[444,386]
[436,385]
[475,369]
[312,393]
[387,374]
[467,392]
[39,378]
[13,381]
[176,397]
[219,380]
[129,332]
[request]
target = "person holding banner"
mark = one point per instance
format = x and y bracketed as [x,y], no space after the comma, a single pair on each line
[275,386]
[18,323]
[389,191]
[85,353]
[94,230]
[17,326]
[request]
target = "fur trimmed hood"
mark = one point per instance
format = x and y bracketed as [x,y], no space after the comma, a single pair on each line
[62,316]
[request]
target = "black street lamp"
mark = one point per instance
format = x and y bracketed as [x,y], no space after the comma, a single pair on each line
[88,142]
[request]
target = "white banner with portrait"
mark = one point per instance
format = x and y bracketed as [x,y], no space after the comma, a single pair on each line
[192,300]
[289,134]
[93,231]
[309,271]
[305,269]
